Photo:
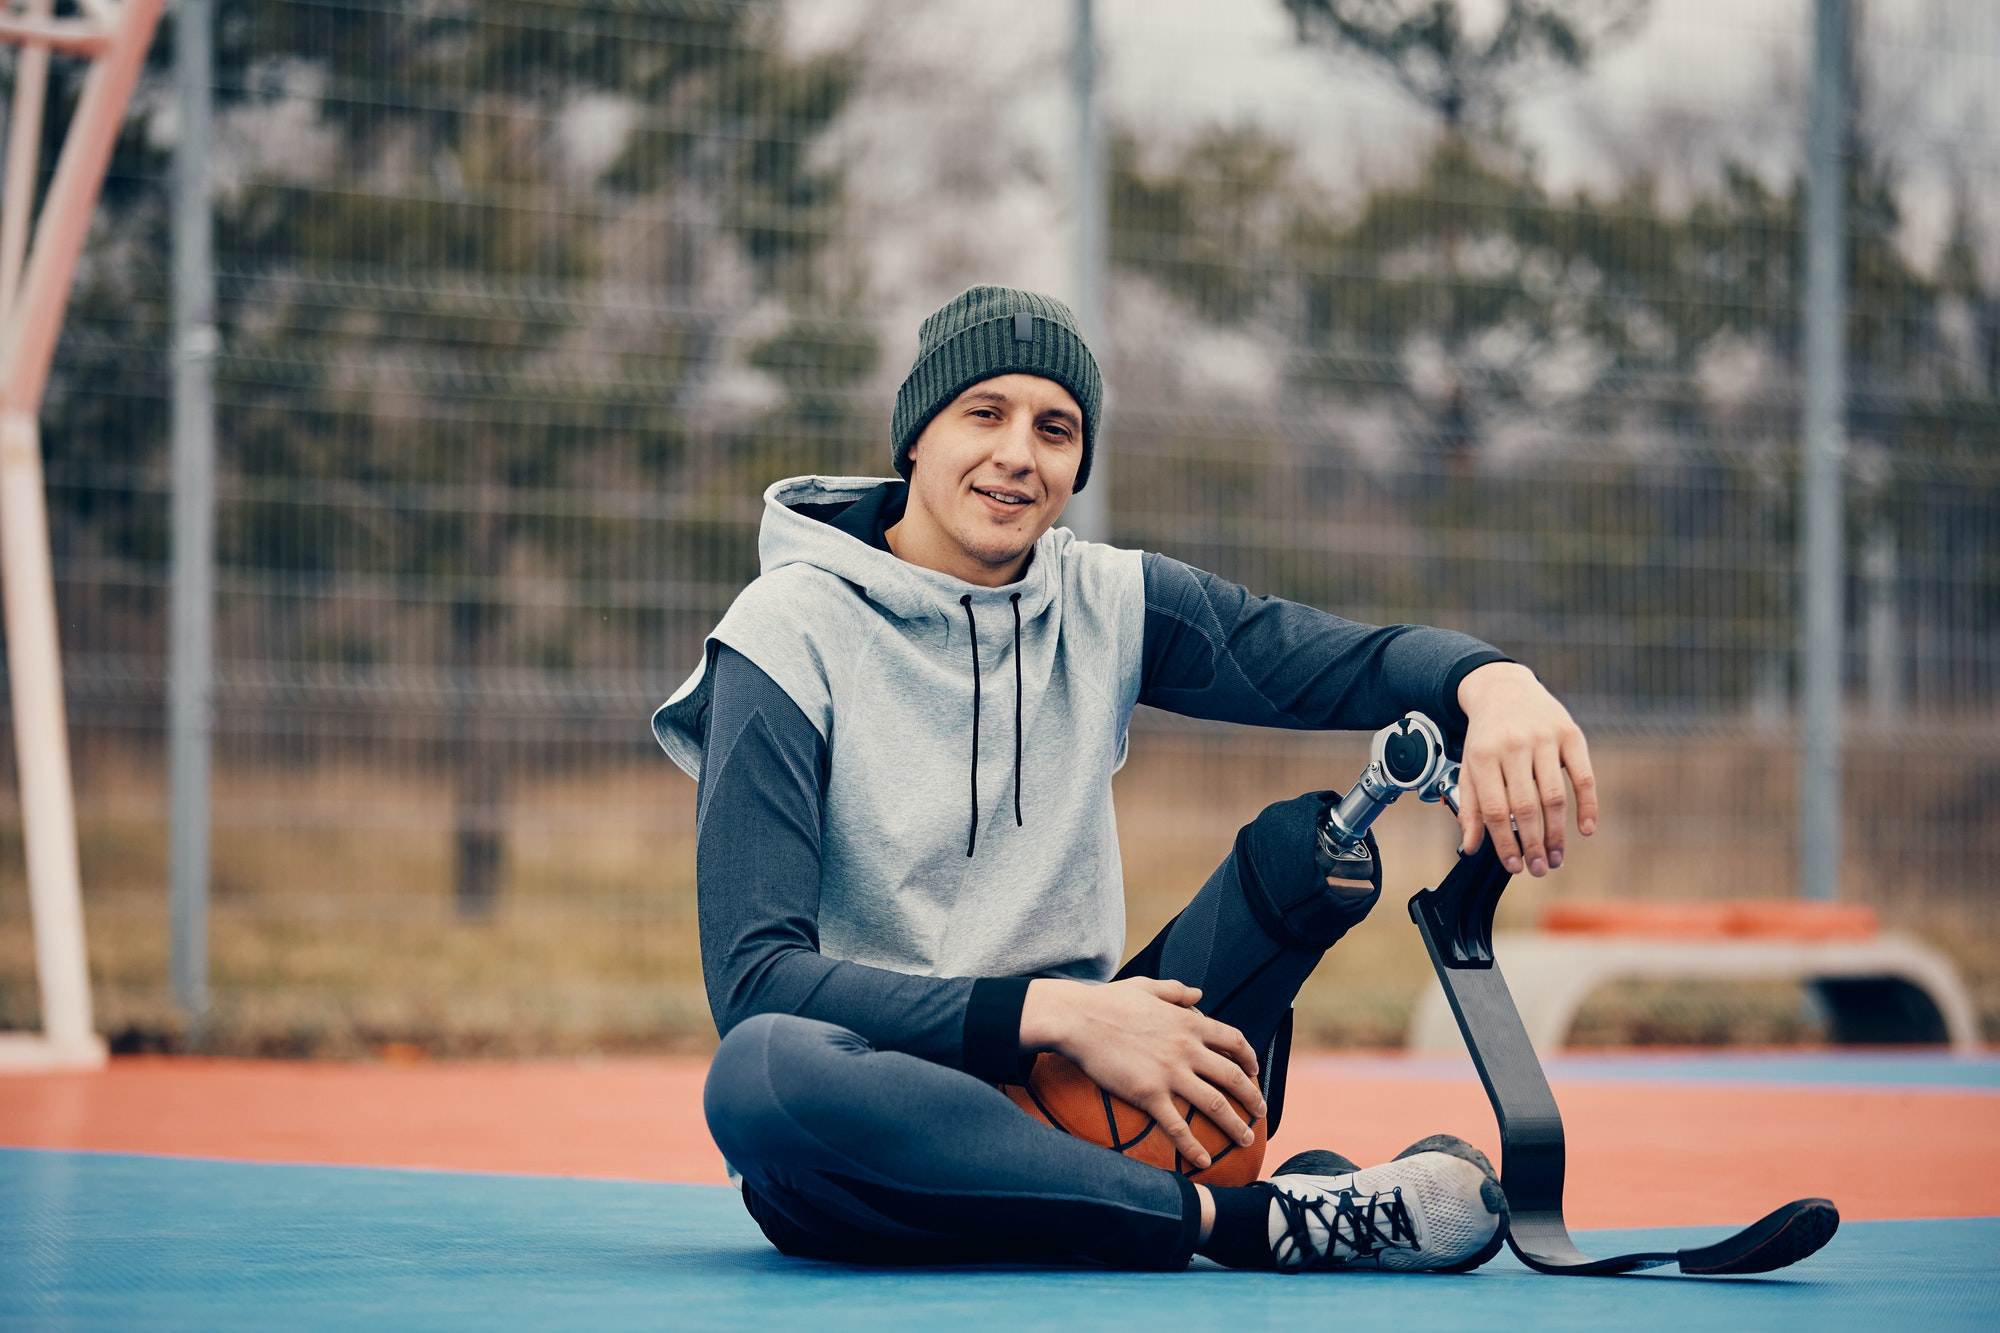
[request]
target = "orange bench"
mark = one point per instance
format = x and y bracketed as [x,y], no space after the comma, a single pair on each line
[1877,987]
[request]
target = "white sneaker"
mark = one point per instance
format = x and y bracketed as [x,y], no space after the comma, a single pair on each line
[1428,1210]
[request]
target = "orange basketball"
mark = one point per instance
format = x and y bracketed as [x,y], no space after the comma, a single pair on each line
[1063,1095]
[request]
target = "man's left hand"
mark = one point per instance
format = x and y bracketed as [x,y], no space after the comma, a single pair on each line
[1518,742]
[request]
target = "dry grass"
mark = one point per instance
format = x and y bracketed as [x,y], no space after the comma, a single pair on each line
[333,931]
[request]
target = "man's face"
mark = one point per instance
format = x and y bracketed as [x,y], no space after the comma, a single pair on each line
[1017,436]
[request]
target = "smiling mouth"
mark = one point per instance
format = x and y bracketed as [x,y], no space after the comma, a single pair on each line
[997,498]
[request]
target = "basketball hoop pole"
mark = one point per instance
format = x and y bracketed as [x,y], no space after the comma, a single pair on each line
[114,37]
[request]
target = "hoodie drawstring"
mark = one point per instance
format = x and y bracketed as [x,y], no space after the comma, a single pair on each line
[972,625]
[1016,601]
[966,602]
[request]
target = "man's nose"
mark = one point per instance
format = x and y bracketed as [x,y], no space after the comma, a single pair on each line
[1016,448]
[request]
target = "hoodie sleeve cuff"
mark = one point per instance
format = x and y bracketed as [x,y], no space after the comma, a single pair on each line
[1451,714]
[993,1030]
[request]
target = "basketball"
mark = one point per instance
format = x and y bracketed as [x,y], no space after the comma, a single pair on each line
[1063,1095]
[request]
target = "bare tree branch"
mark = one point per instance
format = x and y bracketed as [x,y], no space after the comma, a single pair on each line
[1423,45]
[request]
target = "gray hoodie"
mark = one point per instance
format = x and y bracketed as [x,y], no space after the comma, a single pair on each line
[968,827]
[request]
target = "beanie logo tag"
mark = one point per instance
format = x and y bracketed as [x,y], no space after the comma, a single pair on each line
[1024,327]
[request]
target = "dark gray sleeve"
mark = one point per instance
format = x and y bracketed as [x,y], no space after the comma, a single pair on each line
[757,843]
[1213,650]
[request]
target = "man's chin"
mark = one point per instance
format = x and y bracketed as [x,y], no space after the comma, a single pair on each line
[994,555]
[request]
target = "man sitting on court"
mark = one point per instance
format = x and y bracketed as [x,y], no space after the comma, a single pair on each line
[904,732]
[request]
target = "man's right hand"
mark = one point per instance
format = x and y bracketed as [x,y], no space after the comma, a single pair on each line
[1143,1041]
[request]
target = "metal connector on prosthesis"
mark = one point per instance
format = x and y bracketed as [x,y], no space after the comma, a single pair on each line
[1443,787]
[1406,756]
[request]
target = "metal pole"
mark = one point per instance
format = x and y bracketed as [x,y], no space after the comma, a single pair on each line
[1884,625]
[1089,514]
[1825,447]
[190,671]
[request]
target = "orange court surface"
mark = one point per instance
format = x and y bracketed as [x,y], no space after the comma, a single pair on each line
[1654,1140]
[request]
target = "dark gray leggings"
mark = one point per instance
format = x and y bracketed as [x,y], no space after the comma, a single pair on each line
[873,1156]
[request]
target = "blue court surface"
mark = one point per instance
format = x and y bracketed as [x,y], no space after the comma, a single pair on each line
[1869,1069]
[1854,1069]
[105,1240]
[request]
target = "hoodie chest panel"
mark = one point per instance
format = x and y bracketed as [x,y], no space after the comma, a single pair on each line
[897,888]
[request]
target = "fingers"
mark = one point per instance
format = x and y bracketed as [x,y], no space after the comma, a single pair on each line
[1518,743]
[1207,1100]
[1224,1066]
[1230,1078]
[1470,831]
[1524,804]
[1554,800]
[1496,814]
[1230,1042]
[1175,992]
[1161,1108]
[1576,758]
[1515,793]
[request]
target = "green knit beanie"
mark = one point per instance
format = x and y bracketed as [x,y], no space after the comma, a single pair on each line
[988,331]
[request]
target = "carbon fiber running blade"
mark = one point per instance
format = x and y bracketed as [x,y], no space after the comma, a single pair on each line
[1541,1241]
[1778,1240]
[1456,922]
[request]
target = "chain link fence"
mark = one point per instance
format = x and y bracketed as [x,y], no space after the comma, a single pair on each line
[522,304]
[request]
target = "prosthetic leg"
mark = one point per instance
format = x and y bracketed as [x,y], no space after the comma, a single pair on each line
[1456,922]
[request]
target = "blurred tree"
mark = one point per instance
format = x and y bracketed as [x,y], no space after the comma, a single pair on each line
[475,304]
[1464,78]
[1663,337]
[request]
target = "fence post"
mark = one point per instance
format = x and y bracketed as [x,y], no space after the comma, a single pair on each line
[1089,514]
[190,671]
[1822,552]
[1884,632]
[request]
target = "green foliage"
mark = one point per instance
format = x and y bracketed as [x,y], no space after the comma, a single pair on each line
[1209,228]
[1450,302]
[467,336]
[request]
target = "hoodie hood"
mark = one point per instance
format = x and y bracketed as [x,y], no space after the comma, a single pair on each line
[792,535]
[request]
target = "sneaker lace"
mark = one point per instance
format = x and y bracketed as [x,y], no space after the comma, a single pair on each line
[1366,1225]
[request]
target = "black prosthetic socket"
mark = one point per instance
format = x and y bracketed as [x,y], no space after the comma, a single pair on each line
[1286,886]
[1241,1237]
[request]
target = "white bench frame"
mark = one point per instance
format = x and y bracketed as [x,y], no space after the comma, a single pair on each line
[1551,975]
